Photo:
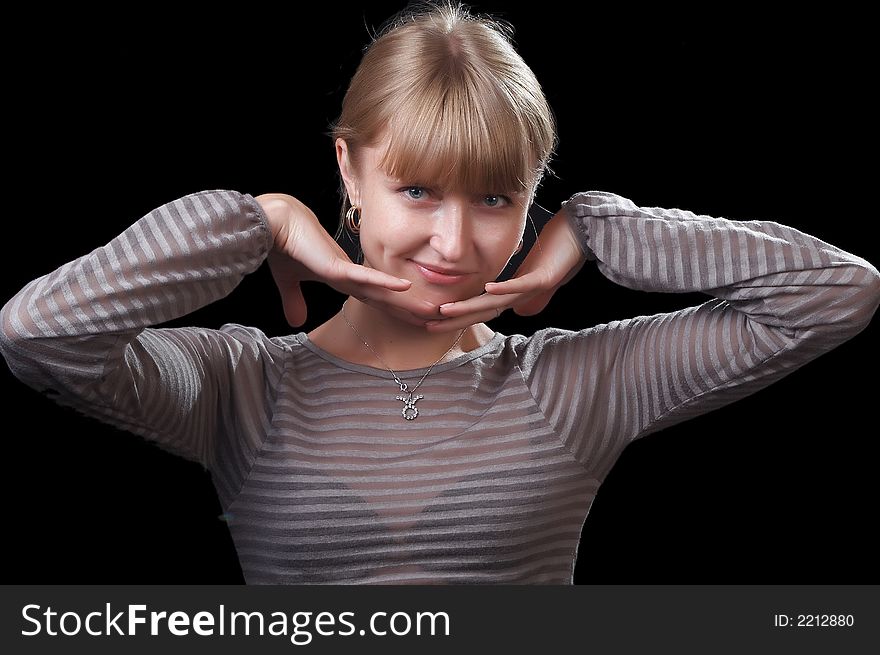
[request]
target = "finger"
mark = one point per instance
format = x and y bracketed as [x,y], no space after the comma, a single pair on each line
[478,304]
[409,307]
[295,309]
[521,284]
[413,310]
[534,305]
[405,316]
[375,287]
[457,323]
[365,275]
[400,303]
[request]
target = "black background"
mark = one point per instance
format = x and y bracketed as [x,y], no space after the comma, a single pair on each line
[733,114]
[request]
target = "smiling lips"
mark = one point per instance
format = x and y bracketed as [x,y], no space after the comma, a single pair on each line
[438,277]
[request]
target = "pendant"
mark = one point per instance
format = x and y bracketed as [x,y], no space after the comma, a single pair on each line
[409,411]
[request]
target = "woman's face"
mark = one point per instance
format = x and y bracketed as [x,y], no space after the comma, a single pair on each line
[404,226]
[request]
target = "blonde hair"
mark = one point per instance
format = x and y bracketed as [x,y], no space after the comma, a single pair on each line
[459,105]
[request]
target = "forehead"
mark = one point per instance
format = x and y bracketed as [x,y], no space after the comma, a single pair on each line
[429,173]
[372,156]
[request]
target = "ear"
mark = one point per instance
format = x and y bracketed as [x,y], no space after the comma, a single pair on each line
[346,168]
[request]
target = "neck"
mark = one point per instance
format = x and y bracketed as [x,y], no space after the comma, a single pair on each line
[401,345]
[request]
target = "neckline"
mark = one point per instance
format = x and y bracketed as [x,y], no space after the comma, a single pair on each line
[490,345]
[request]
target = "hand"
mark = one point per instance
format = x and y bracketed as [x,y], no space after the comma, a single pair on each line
[551,263]
[303,250]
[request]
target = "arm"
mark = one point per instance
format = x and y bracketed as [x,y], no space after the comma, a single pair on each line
[81,334]
[780,299]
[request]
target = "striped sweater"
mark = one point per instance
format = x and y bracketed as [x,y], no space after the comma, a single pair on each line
[494,480]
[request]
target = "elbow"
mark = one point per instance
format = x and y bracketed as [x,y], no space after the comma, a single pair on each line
[865,301]
[11,340]
[872,282]
[27,364]
[15,339]
[11,329]
[20,318]
[8,333]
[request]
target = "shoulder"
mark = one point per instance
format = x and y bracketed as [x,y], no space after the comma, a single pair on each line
[560,346]
[256,339]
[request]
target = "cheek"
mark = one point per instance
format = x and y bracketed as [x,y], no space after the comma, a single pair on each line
[503,242]
[390,230]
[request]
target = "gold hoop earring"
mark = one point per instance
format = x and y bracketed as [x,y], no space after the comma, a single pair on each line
[349,219]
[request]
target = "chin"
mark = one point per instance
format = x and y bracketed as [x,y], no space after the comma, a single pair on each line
[435,294]
[454,293]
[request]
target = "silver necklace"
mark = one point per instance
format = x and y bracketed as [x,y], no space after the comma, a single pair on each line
[410,411]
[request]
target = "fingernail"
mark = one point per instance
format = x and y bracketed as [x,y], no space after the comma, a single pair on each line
[446,305]
[404,281]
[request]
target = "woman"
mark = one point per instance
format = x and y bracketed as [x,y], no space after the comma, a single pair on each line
[404,441]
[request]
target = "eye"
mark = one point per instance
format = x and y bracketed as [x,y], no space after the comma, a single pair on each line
[421,191]
[406,190]
[506,200]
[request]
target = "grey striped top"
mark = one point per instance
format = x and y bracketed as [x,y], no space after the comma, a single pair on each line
[493,482]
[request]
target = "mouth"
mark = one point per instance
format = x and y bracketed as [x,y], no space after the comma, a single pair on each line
[435,277]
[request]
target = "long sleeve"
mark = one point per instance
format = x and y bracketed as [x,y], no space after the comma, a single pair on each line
[81,334]
[780,299]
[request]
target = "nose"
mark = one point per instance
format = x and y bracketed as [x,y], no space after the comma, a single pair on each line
[452,230]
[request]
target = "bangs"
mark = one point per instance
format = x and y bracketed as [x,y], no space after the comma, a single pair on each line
[458,142]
